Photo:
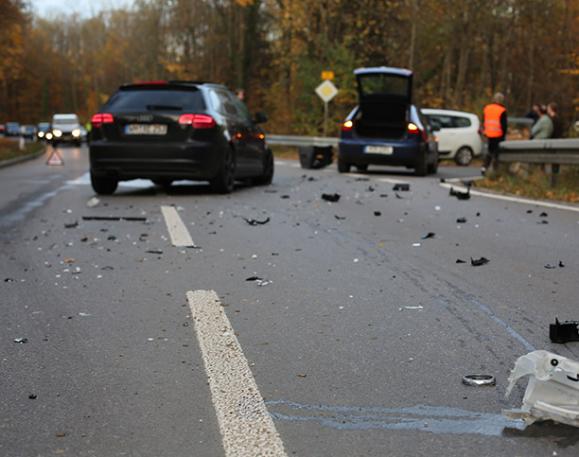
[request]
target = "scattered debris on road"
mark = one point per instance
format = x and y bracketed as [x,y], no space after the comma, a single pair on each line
[460,261]
[377,213]
[254,222]
[331,197]
[93,202]
[69,225]
[154,251]
[401,186]
[553,389]
[543,214]
[259,281]
[32,396]
[115,218]
[9,280]
[416,245]
[479,262]
[21,340]
[479,380]
[459,195]
[461,220]
[339,218]
[564,332]
[429,235]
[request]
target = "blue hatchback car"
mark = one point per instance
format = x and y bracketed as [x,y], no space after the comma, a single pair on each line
[386,128]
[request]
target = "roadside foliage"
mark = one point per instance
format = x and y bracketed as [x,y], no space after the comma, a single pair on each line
[460,50]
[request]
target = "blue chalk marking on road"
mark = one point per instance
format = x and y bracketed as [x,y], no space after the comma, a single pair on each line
[430,419]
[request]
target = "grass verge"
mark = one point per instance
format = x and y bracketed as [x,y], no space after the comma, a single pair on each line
[9,149]
[285,152]
[533,182]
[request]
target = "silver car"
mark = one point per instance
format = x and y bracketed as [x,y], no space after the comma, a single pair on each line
[66,128]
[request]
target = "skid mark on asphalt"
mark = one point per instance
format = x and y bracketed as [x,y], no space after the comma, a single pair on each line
[525,201]
[177,231]
[246,427]
[430,419]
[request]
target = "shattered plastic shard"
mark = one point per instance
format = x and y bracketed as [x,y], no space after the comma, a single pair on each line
[254,222]
[460,195]
[563,332]
[403,187]
[553,389]
[479,262]
[331,197]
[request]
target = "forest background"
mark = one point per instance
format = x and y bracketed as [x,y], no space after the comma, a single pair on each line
[461,52]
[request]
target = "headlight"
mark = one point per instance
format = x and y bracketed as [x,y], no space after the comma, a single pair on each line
[76,133]
[49,136]
[57,133]
[40,134]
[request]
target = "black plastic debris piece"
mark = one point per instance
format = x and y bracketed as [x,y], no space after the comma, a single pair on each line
[285,197]
[383,195]
[21,340]
[398,196]
[107,268]
[529,211]
[73,224]
[429,235]
[254,222]
[550,267]
[401,186]
[331,197]
[9,280]
[111,238]
[543,214]
[543,222]
[339,218]
[561,264]
[564,332]
[477,214]
[154,251]
[32,396]
[479,262]
[311,178]
[362,179]
[370,189]
[253,278]
[84,239]
[461,220]
[259,281]
[459,195]
[460,261]
[377,213]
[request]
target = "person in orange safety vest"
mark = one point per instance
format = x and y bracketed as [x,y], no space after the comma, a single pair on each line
[494,129]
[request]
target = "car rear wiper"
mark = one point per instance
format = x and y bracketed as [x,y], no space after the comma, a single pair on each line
[164,108]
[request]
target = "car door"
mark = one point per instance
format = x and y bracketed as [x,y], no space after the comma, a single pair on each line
[253,139]
[463,132]
[445,133]
[237,128]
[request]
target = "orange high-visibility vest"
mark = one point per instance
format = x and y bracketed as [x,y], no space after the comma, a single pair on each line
[492,124]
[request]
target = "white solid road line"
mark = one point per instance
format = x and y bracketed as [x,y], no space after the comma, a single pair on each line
[246,427]
[179,234]
[508,198]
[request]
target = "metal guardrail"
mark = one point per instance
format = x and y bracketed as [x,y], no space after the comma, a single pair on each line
[524,121]
[295,140]
[560,151]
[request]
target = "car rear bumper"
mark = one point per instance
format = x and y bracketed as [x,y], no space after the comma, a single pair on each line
[405,154]
[186,160]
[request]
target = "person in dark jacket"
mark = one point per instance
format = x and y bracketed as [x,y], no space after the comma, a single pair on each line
[552,111]
[495,129]
[535,113]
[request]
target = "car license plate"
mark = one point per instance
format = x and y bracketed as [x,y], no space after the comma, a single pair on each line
[145,129]
[379,150]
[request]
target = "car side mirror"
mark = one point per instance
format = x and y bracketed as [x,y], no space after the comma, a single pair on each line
[260,118]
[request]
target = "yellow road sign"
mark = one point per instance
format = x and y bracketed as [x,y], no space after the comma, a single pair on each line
[328,75]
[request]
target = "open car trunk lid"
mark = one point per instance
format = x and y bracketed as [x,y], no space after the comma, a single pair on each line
[385,95]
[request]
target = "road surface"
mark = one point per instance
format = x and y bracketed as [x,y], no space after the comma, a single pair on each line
[145,337]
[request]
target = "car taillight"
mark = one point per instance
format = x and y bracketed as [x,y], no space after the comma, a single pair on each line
[413,129]
[101,118]
[198,121]
[347,126]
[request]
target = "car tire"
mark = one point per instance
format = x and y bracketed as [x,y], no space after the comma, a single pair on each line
[362,168]
[421,168]
[163,182]
[433,168]
[266,177]
[463,156]
[103,185]
[343,166]
[224,182]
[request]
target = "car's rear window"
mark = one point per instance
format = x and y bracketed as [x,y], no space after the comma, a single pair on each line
[384,84]
[156,100]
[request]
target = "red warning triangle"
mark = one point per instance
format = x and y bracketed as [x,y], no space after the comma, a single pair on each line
[55,159]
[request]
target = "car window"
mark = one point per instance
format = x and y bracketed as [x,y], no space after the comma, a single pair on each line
[384,84]
[151,99]
[442,121]
[227,107]
[461,122]
[241,109]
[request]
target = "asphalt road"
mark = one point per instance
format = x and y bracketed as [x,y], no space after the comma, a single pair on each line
[357,342]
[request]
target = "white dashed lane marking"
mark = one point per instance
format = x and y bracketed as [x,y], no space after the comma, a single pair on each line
[177,231]
[246,427]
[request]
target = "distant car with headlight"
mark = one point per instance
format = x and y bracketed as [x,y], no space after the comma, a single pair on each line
[42,129]
[66,128]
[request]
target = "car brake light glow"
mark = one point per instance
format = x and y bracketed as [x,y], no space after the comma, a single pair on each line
[197,121]
[413,128]
[347,126]
[101,118]
[261,136]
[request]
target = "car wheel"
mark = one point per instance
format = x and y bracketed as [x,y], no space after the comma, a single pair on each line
[224,182]
[163,182]
[463,156]
[433,168]
[268,169]
[421,168]
[362,168]
[343,167]
[103,185]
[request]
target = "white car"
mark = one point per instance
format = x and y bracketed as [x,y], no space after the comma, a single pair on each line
[459,136]
[66,128]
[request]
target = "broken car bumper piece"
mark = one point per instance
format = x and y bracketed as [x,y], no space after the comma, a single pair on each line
[553,389]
